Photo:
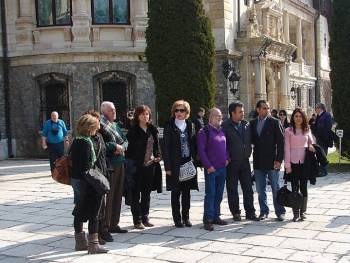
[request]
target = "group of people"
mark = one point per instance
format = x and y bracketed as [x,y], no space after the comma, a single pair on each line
[131,163]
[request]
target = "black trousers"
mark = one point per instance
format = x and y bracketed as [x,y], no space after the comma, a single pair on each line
[299,182]
[56,150]
[185,193]
[141,197]
[240,171]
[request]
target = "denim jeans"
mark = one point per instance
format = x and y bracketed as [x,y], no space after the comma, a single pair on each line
[260,179]
[214,189]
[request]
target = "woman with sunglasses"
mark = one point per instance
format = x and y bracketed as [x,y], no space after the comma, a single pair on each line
[179,149]
[282,115]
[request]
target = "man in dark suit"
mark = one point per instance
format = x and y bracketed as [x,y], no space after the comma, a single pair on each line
[322,130]
[268,142]
[238,141]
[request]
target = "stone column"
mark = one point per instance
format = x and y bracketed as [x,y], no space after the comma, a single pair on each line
[266,24]
[285,86]
[141,20]
[286,26]
[81,24]
[299,39]
[260,79]
[24,26]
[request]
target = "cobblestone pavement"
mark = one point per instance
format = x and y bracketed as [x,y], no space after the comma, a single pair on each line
[36,226]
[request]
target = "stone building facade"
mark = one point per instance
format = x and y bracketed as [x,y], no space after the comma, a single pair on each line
[70,57]
[273,44]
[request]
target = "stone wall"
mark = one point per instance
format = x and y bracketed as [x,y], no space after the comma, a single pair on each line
[25,95]
[2,105]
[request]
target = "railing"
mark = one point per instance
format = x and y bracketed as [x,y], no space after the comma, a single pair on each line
[301,69]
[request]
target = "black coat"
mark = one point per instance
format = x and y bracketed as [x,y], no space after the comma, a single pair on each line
[89,204]
[172,154]
[269,146]
[136,151]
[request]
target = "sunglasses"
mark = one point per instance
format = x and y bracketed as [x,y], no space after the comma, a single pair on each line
[180,110]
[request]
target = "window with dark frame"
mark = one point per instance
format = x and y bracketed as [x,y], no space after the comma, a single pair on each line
[299,96]
[53,12]
[311,97]
[110,12]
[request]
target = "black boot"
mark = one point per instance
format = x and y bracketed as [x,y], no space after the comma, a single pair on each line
[303,208]
[186,218]
[296,214]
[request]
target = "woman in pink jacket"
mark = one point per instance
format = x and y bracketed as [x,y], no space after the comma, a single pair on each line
[297,138]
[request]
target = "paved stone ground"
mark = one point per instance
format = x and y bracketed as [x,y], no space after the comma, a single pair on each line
[36,226]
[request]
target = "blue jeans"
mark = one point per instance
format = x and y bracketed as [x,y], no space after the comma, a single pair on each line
[56,150]
[260,179]
[214,189]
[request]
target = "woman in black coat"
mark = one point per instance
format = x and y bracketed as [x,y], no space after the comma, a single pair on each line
[87,201]
[179,149]
[143,151]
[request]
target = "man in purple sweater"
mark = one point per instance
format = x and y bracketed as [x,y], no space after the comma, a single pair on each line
[214,157]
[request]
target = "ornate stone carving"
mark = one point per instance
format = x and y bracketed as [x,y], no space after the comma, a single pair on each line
[253,29]
[36,35]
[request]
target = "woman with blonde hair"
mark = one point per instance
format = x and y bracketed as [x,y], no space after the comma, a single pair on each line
[87,201]
[179,149]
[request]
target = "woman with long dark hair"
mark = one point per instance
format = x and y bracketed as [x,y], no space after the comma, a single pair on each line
[298,138]
[179,151]
[144,152]
[282,115]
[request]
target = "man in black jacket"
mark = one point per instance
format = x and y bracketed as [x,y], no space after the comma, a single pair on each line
[238,140]
[268,142]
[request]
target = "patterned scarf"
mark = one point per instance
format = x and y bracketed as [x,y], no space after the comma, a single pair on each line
[110,131]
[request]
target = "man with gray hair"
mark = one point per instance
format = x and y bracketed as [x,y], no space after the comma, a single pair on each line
[322,131]
[116,144]
[213,155]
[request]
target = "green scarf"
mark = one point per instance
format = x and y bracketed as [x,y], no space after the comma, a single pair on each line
[93,154]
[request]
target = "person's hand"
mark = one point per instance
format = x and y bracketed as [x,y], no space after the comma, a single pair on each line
[227,162]
[168,173]
[157,160]
[44,145]
[211,170]
[276,165]
[312,148]
[119,149]
[288,170]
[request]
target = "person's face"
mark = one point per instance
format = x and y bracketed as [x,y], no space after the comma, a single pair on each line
[274,114]
[144,117]
[238,114]
[201,114]
[263,110]
[216,118]
[94,131]
[298,119]
[180,112]
[318,110]
[110,113]
[282,116]
[54,117]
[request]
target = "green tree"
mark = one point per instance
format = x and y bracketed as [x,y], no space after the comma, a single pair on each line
[340,67]
[180,53]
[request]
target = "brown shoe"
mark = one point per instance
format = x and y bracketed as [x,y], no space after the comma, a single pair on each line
[81,242]
[94,247]
[208,226]
[219,222]
[147,224]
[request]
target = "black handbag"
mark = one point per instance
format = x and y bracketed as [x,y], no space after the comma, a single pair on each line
[98,181]
[287,198]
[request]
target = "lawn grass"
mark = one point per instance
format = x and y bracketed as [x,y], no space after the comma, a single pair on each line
[336,167]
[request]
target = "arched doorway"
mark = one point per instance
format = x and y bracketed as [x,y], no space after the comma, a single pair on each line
[117,87]
[54,96]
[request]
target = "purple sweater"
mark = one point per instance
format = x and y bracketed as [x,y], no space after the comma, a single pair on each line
[212,151]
